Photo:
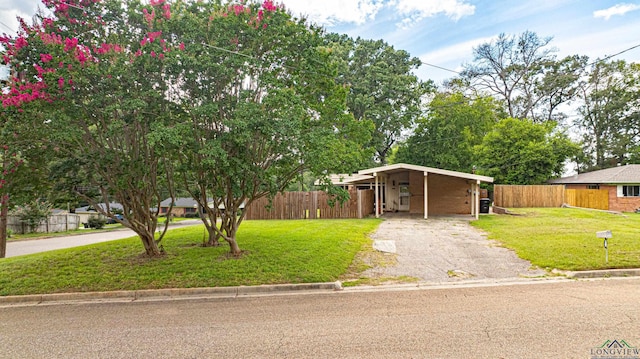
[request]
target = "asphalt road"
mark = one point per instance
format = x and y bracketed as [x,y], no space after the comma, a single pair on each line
[534,320]
[20,248]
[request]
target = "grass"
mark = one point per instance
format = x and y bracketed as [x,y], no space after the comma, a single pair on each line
[565,239]
[275,252]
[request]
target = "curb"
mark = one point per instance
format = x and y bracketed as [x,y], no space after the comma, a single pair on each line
[172,293]
[276,289]
[605,273]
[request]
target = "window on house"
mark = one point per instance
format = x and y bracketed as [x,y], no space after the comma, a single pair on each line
[189,210]
[593,186]
[631,191]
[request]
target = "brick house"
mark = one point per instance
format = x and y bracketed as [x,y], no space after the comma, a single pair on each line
[622,184]
[182,207]
[418,189]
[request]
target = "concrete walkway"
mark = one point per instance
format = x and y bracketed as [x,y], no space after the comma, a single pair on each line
[20,248]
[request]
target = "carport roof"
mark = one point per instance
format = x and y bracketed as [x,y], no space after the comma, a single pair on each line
[369,173]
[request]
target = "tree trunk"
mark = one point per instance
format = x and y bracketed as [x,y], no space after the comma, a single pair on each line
[4,212]
[150,245]
[233,245]
[214,239]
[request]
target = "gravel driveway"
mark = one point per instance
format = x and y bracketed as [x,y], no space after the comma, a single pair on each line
[446,249]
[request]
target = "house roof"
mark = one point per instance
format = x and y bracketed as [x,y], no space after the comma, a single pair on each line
[622,174]
[112,205]
[180,202]
[399,167]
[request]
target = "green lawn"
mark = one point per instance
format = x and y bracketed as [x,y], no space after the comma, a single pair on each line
[275,252]
[565,238]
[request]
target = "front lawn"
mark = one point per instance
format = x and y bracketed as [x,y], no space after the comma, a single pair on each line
[302,251]
[565,238]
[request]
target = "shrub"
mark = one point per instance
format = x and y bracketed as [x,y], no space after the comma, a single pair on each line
[96,222]
[34,213]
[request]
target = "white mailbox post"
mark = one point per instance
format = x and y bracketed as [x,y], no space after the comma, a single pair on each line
[606,235]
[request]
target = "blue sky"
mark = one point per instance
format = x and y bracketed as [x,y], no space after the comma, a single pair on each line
[444,32]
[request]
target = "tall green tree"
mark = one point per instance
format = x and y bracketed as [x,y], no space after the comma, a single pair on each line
[96,68]
[523,152]
[523,72]
[382,88]
[610,114]
[446,136]
[261,106]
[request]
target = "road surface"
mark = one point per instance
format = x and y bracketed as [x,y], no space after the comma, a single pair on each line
[567,319]
[19,248]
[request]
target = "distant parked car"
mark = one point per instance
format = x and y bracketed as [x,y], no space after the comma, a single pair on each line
[113,221]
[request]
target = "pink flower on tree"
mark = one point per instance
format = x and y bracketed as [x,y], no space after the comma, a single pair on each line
[20,43]
[70,44]
[167,11]
[45,58]
[269,6]
[181,46]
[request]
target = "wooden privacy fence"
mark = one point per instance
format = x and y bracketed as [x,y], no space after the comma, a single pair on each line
[588,198]
[311,205]
[528,196]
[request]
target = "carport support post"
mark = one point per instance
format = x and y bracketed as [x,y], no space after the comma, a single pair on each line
[477,199]
[472,200]
[375,174]
[426,196]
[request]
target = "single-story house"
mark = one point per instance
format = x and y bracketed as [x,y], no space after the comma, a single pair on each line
[87,212]
[419,190]
[181,206]
[622,184]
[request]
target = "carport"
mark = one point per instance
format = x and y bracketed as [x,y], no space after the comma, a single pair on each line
[420,190]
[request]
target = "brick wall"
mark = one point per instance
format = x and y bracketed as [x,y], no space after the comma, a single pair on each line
[447,195]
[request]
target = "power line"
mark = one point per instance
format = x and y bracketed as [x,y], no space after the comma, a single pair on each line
[440,67]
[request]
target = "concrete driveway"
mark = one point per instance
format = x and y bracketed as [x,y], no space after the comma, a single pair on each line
[445,249]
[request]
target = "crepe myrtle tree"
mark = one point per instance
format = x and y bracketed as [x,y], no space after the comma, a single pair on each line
[96,68]
[261,105]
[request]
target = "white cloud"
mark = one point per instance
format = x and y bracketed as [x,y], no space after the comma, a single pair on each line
[416,10]
[618,9]
[456,53]
[330,12]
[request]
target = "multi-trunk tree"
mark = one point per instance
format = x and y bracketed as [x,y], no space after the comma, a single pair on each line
[96,71]
[229,101]
[260,104]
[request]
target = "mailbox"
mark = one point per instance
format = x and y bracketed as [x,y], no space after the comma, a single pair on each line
[603,234]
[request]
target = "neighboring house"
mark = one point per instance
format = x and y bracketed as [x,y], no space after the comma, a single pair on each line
[181,206]
[184,206]
[622,184]
[412,189]
[87,212]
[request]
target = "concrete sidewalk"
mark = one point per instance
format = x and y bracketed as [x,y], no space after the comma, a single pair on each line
[19,248]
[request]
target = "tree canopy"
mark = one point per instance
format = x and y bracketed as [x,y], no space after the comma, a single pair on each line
[446,136]
[228,101]
[382,88]
[523,152]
